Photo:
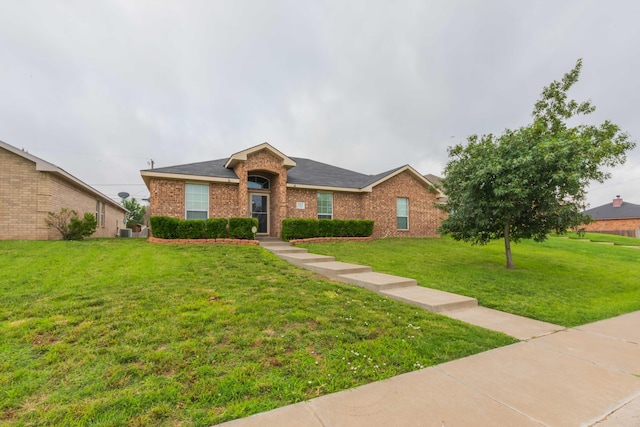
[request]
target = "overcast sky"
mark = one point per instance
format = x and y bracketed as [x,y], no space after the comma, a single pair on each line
[101,87]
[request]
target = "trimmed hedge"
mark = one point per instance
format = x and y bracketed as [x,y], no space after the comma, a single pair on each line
[216,228]
[191,229]
[165,227]
[298,228]
[240,228]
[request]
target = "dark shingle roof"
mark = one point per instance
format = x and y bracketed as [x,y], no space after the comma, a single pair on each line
[608,211]
[212,168]
[306,172]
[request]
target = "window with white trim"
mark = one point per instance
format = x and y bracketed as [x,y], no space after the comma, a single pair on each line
[102,216]
[196,201]
[325,205]
[402,213]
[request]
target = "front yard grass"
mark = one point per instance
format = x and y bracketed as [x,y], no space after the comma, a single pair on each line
[123,332]
[561,281]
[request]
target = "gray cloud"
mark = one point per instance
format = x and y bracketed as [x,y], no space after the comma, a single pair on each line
[101,87]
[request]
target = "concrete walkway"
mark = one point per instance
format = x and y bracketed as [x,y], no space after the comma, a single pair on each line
[584,376]
[407,290]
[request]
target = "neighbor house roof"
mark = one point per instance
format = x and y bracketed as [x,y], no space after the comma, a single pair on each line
[625,210]
[302,173]
[44,166]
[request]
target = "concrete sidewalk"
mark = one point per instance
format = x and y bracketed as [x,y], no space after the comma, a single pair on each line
[584,376]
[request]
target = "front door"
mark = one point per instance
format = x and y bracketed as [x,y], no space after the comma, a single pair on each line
[260,210]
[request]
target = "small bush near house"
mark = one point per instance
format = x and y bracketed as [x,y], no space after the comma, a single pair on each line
[294,228]
[70,226]
[164,227]
[240,228]
[191,229]
[298,228]
[216,228]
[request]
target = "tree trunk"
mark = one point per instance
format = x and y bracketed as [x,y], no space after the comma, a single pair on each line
[507,246]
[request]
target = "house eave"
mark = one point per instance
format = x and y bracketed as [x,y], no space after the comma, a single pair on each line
[328,188]
[148,175]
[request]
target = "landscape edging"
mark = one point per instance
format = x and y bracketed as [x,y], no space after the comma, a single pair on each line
[205,241]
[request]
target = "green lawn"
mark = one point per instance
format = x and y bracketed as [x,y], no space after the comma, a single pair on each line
[562,281]
[123,332]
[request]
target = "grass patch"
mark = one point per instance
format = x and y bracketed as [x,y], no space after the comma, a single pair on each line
[562,281]
[122,332]
[600,237]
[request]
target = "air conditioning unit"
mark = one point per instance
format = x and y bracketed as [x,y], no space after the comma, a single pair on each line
[126,232]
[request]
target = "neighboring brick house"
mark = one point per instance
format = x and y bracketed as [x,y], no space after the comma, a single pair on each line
[617,217]
[264,183]
[31,187]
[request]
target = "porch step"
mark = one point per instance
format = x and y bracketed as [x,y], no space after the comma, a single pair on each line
[279,247]
[431,299]
[376,281]
[302,258]
[333,269]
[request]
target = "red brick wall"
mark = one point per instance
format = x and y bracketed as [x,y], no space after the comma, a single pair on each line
[613,225]
[348,206]
[310,199]
[424,217]
[223,201]
[166,198]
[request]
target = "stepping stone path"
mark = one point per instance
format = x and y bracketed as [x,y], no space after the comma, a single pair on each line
[407,290]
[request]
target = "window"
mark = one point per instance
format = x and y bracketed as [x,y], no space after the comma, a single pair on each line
[98,212]
[325,206]
[258,182]
[101,216]
[402,209]
[197,201]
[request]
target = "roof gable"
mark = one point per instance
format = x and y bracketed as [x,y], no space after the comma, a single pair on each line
[241,156]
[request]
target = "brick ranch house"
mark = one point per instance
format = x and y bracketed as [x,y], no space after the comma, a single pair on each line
[617,217]
[264,183]
[31,187]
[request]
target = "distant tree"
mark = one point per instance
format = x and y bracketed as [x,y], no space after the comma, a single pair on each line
[530,181]
[70,226]
[136,212]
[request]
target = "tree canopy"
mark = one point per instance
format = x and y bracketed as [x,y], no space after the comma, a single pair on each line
[531,181]
[136,211]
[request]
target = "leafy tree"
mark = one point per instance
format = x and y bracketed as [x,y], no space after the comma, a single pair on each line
[136,212]
[530,181]
[70,225]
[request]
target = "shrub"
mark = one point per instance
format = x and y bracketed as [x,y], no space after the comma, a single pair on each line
[216,228]
[191,229]
[70,226]
[300,228]
[297,228]
[164,227]
[240,228]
